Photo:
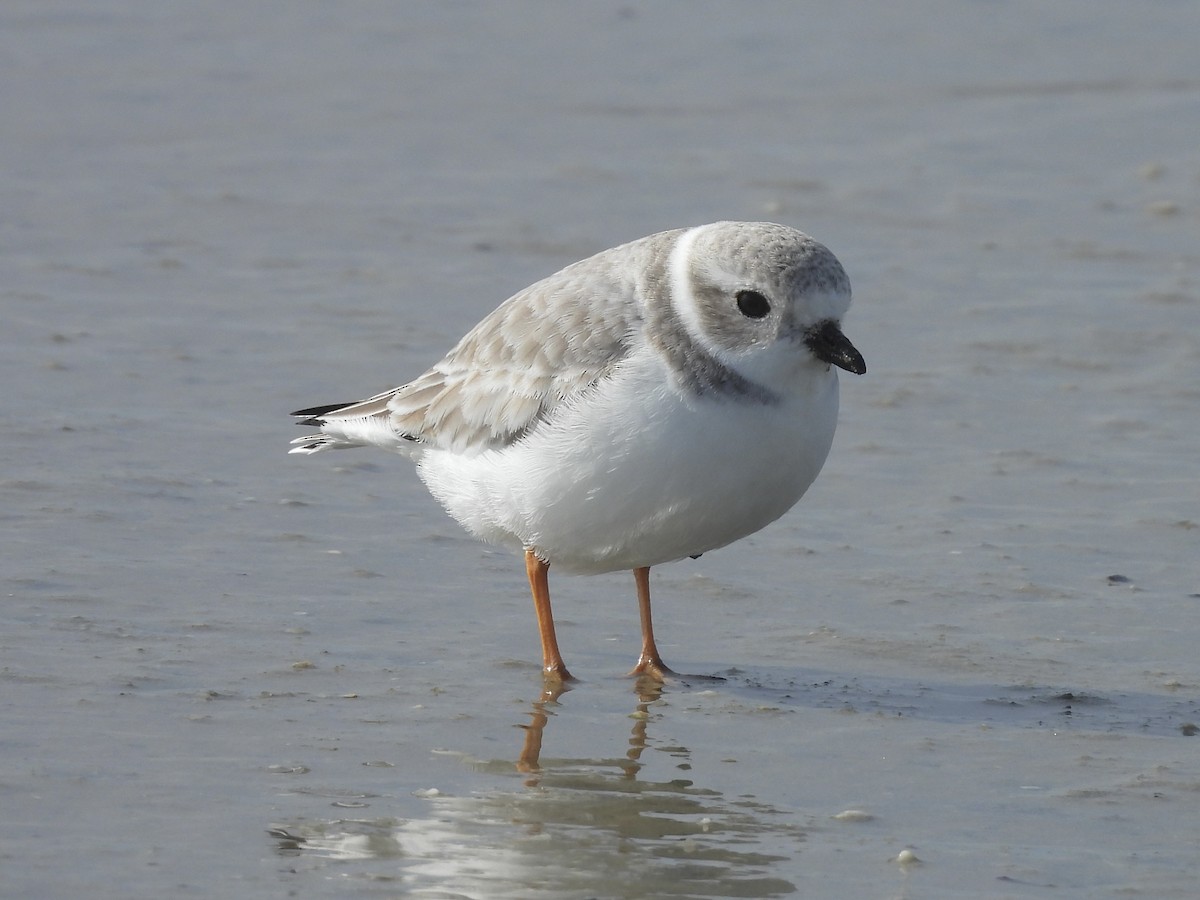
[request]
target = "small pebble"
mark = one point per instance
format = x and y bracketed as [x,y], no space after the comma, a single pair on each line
[854,815]
[1163,208]
[281,769]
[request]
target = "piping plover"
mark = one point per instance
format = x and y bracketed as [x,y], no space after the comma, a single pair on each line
[660,399]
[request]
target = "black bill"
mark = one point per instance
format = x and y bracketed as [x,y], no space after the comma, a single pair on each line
[829,345]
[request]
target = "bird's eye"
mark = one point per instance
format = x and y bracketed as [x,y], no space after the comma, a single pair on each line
[752,304]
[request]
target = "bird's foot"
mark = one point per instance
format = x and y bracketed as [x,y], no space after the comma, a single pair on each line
[651,666]
[557,674]
[654,669]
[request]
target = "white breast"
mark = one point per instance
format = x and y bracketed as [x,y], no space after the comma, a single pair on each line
[634,473]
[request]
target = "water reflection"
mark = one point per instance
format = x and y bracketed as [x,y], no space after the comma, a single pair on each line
[647,690]
[575,828]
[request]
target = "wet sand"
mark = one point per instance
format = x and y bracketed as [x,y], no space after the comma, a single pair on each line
[964,665]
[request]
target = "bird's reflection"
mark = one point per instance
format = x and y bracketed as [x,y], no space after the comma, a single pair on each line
[576,826]
[648,690]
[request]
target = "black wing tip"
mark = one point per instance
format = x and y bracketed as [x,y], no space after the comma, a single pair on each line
[312,415]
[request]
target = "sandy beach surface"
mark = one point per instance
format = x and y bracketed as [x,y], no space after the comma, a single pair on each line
[965,665]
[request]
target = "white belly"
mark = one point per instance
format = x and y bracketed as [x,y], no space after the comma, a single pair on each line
[638,475]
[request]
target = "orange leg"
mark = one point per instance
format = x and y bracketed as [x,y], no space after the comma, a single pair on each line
[650,663]
[553,666]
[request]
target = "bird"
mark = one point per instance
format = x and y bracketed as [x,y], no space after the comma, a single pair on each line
[650,403]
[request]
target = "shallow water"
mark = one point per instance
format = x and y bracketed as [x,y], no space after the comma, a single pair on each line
[964,665]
